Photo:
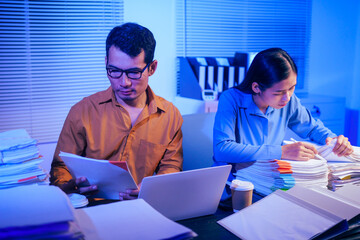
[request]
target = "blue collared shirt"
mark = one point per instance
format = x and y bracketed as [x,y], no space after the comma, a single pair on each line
[242,133]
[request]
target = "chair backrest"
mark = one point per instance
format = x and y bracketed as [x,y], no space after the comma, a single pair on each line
[197,132]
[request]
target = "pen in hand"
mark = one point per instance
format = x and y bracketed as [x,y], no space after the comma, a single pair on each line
[317,156]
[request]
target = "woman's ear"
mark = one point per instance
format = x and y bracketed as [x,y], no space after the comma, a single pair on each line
[152,67]
[255,87]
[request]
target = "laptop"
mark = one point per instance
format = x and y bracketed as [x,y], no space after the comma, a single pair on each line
[186,194]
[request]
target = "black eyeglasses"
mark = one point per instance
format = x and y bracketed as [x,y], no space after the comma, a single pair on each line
[132,74]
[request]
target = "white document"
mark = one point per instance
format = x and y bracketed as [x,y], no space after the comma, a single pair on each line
[34,205]
[17,146]
[15,138]
[111,177]
[133,219]
[281,216]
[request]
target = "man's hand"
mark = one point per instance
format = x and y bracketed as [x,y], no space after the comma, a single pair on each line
[342,147]
[130,194]
[300,151]
[79,185]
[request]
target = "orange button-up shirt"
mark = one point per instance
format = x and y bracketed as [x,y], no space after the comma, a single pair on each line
[99,127]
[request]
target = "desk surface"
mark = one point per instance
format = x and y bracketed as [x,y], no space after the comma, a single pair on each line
[207,227]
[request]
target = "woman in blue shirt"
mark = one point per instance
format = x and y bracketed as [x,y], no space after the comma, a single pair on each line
[252,118]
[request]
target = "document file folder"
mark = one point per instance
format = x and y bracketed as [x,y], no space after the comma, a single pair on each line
[221,63]
[241,75]
[284,216]
[210,77]
[220,79]
[231,79]
[202,71]
[202,76]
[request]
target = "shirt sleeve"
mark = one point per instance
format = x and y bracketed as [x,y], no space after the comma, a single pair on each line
[172,160]
[71,140]
[226,148]
[304,125]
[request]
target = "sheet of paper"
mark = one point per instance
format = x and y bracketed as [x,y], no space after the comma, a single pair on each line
[33,205]
[133,219]
[110,178]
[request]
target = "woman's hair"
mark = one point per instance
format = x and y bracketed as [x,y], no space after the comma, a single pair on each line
[269,66]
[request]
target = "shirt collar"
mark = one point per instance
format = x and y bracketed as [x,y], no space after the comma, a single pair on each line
[153,101]
[249,104]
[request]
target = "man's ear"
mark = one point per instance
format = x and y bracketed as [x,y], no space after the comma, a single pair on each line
[255,87]
[105,61]
[152,67]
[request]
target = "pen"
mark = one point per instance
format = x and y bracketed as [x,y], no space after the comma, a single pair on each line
[316,155]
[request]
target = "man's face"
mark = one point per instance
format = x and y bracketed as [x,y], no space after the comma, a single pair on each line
[126,89]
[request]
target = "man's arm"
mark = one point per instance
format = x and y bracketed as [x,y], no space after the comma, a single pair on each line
[71,140]
[173,157]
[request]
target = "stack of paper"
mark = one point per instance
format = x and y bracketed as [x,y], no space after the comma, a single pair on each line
[313,172]
[37,212]
[342,174]
[19,159]
[342,170]
[268,175]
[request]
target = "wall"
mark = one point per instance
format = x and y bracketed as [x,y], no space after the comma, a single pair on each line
[334,55]
[159,17]
[332,50]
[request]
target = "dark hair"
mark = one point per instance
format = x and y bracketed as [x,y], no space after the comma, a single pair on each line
[131,38]
[269,66]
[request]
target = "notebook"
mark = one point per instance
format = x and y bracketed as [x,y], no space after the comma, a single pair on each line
[185,194]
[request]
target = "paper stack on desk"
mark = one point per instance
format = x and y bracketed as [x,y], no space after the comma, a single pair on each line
[267,175]
[19,160]
[343,170]
[36,212]
[270,175]
[46,213]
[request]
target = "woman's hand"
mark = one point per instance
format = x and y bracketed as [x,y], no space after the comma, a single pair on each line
[342,147]
[300,151]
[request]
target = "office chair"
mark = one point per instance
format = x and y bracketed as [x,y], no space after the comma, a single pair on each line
[197,132]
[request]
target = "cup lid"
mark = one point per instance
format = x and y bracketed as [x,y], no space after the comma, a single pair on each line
[237,184]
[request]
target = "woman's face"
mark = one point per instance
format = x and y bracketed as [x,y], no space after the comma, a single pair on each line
[277,96]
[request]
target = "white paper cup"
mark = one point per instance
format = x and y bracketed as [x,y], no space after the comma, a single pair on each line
[242,192]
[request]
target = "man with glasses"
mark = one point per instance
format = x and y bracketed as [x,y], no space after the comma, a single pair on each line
[126,122]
